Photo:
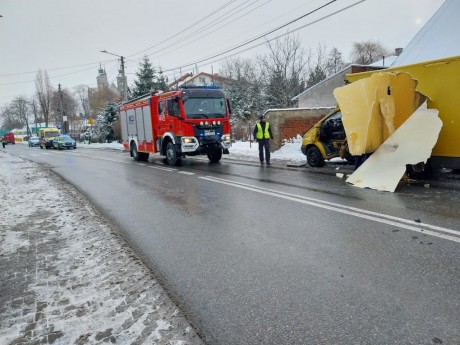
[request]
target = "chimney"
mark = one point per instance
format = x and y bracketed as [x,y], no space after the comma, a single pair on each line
[398,51]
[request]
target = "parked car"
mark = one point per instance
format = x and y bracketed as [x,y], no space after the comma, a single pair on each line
[64,141]
[9,138]
[33,141]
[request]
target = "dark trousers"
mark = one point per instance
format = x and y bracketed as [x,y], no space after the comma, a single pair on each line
[264,144]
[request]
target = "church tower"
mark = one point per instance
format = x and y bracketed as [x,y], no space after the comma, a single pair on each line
[102,81]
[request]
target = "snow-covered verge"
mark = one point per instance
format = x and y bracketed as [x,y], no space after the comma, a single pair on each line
[66,276]
[249,151]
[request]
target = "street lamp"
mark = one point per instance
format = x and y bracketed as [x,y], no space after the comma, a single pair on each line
[125,87]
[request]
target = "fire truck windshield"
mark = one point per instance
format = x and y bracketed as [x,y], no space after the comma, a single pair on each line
[205,108]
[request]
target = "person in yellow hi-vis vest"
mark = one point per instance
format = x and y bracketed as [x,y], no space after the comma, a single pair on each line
[263,134]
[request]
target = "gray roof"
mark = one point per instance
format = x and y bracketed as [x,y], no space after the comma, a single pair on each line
[439,38]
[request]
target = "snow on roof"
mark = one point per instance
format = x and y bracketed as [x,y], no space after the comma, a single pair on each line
[322,81]
[387,61]
[437,39]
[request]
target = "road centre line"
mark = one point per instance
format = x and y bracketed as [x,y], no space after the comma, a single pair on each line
[352,211]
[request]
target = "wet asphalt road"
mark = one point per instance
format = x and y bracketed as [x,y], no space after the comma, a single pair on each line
[258,255]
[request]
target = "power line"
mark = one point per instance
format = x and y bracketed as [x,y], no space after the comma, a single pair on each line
[206,28]
[268,40]
[51,77]
[256,38]
[191,25]
[55,69]
[176,69]
[198,30]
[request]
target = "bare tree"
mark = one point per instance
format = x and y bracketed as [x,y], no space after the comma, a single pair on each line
[98,99]
[10,120]
[44,93]
[36,114]
[244,92]
[284,69]
[318,72]
[367,52]
[20,107]
[82,95]
[334,62]
[69,108]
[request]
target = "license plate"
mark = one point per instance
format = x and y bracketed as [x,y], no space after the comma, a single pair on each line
[209,132]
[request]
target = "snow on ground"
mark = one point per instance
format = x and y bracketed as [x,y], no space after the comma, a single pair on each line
[66,275]
[240,150]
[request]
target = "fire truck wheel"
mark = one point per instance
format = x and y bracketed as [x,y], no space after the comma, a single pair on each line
[134,152]
[215,155]
[171,154]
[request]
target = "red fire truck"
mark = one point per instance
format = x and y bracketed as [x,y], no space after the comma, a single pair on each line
[186,122]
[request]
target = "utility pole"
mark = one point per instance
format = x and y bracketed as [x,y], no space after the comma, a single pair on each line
[125,81]
[63,117]
[125,87]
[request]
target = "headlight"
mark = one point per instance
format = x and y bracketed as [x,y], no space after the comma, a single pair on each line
[214,123]
[188,140]
[226,137]
[201,123]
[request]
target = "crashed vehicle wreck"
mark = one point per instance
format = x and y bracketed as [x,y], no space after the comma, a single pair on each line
[376,104]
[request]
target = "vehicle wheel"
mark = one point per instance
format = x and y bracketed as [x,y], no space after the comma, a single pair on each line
[171,154]
[59,147]
[215,155]
[41,147]
[143,156]
[349,157]
[134,152]
[314,157]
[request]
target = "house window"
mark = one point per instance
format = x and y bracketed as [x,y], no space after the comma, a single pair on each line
[202,80]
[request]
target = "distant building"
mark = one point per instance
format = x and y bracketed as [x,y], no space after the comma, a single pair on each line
[204,78]
[103,82]
[320,95]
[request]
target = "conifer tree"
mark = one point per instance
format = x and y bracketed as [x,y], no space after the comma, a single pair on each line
[148,79]
[104,121]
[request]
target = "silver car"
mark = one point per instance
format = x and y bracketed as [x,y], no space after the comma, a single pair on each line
[64,141]
[33,141]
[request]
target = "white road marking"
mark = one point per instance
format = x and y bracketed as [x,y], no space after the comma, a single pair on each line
[161,168]
[349,210]
[352,211]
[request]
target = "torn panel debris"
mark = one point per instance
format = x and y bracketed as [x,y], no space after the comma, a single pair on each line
[373,108]
[411,143]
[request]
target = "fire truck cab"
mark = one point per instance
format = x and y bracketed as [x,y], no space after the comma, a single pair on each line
[186,122]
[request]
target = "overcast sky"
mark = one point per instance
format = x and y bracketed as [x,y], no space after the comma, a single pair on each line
[66,37]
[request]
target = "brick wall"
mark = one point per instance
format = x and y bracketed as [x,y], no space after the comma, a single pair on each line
[288,123]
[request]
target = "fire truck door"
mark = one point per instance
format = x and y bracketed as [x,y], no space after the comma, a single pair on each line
[163,123]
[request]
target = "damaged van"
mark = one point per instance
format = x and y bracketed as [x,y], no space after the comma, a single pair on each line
[326,140]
